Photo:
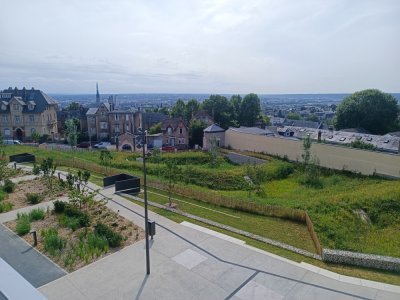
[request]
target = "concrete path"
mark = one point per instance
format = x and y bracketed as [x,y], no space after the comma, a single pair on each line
[33,266]
[187,263]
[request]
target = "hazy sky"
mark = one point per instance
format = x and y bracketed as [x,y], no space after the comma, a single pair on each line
[190,46]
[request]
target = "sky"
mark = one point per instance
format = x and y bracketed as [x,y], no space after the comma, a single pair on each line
[193,46]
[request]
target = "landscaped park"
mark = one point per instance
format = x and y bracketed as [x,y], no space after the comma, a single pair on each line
[272,198]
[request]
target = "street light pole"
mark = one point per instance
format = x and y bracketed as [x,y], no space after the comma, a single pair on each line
[146,219]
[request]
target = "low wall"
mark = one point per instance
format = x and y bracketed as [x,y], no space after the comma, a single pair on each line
[330,156]
[123,183]
[22,158]
[360,259]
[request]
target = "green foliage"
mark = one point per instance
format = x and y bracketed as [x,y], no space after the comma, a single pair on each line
[293,116]
[5,206]
[105,157]
[370,109]
[53,243]
[213,152]
[8,186]
[23,224]
[48,167]
[249,110]
[313,118]
[220,109]
[192,107]
[37,214]
[35,136]
[59,206]
[113,238]
[311,172]
[155,129]
[71,130]
[4,169]
[33,198]
[362,145]
[35,169]
[172,173]
[178,110]
[196,128]
[81,218]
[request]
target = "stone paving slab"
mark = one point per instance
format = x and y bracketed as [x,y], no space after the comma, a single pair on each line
[33,266]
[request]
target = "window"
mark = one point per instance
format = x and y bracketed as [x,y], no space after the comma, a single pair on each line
[126,117]
[33,130]
[31,118]
[5,119]
[7,132]
[17,119]
[3,107]
[127,127]
[116,128]
[15,106]
[169,130]
[93,120]
[180,130]
[103,125]
[116,117]
[102,114]
[181,141]
[30,106]
[167,141]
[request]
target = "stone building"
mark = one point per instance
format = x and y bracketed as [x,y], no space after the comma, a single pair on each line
[24,112]
[213,132]
[175,133]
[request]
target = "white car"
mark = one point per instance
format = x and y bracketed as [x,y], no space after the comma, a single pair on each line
[11,142]
[102,145]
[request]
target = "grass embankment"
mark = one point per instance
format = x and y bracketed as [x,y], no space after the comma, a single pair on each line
[333,208]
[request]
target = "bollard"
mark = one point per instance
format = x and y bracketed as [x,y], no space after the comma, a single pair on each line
[152,228]
[33,232]
[15,165]
[59,176]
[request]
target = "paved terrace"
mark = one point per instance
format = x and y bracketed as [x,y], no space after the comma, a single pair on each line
[188,262]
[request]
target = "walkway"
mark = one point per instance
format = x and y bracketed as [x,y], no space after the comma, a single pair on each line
[190,264]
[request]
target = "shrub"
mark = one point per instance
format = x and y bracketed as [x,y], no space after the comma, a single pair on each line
[73,212]
[59,206]
[37,214]
[8,186]
[52,242]
[36,169]
[113,238]
[23,224]
[5,206]
[69,222]
[33,198]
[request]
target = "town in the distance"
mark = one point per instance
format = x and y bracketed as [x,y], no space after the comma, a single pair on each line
[178,121]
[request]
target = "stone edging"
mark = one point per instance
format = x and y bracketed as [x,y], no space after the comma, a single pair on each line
[361,259]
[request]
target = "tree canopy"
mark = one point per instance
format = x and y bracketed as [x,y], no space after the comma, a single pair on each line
[249,110]
[369,109]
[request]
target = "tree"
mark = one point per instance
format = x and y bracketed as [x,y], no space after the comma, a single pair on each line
[179,109]
[105,157]
[220,109]
[213,152]
[155,128]
[311,172]
[171,172]
[72,131]
[249,110]
[192,107]
[35,137]
[48,168]
[196,128]
[236,102]
[73,106]
[293,116]
[370,109]
[313,118]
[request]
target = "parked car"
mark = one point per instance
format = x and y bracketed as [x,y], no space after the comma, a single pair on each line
[84,145]
[102,145]
[11,142]
[168,149]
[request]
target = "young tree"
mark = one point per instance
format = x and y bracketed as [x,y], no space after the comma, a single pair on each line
[72,131]
[311,172]
[214,152]
[35,136]
[105,157]
[48,168]
[172,173]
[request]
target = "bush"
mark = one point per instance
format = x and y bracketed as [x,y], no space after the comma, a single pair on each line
[113,238]
[5,206]
[52,242]
[73,212]
[59,206]
[36,169]
[8,186]
[23,224]
[33,198]
[69,222]
[37,214]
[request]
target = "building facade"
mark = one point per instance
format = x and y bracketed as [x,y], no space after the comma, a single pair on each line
[24,112]
[175,133]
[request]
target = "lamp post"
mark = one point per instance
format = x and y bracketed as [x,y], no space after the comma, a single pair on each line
[141,141]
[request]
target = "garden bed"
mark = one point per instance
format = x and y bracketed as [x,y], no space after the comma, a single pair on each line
[75,237]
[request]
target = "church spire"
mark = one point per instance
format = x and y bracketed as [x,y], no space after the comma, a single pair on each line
[97,93]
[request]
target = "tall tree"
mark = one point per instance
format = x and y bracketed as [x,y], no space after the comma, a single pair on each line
[192,107]
[72,131]
[196,133]
[370,109]
[249,110]
[220,109]
[178,111]
[236,102]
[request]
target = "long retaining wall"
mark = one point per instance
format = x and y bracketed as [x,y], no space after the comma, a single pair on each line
[330,156]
